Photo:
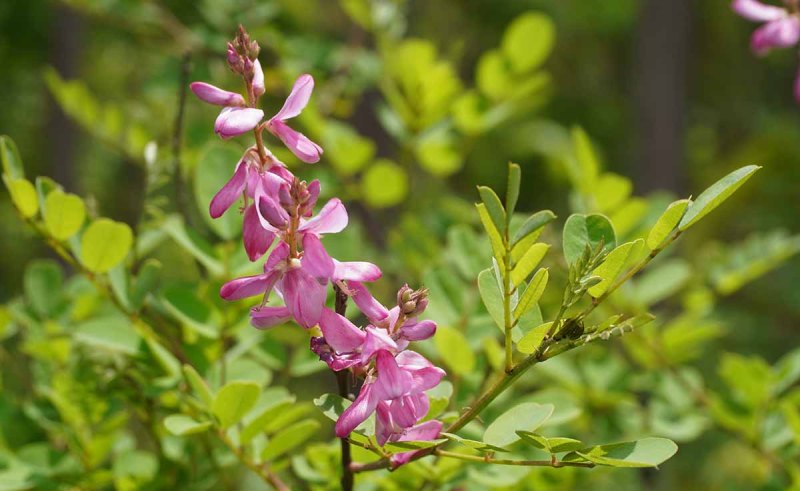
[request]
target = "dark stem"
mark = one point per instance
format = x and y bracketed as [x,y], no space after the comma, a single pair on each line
[177,133]
[343,381]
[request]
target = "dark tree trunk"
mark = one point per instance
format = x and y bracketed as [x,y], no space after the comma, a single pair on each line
[65,51]
[661,81]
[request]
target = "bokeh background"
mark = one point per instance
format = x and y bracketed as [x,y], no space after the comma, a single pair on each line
[668,91]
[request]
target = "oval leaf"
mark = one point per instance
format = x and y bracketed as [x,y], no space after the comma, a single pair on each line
[532,339]
[454,349]
[23,195]
[181,425]
[105,244]
[526,416]
[494,206]
[648,452]
[613,265]
[715,195]
[63,214]
[528,262]
[534,224]
[289,438]
[666,223]
[528,41]
[233,401]
[583,230]
[492,297]
[532,293]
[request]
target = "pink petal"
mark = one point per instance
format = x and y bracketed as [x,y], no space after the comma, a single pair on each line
[355,271]
[426,431]
[358,411]
[256,239]
[313,192]
[782,33]
[270,214]
[304,296]
[230,192]
[757,11]
[258,79]
[392,381]
[300,145]
[332,218]
[265,317]
[316,260]
[279,254]
[367,304]
[376,340]
[340,333]
[384,426]
[298,98]
[215,95]
[423,373]
[417,331]
[248,286]
[234,121]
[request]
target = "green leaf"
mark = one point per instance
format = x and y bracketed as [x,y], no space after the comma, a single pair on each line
[104,244]
[661,281]
[63,214]
[146,281]
[583,230]
[528,41]
[491,230]
[112,333]
[648,452]
[494,206]
[163,356]
[347,150]
[408,445]
[532,339]
[384,184]
[666,223]
[42,285]
[282,411]
[474,444]
[183,304]
[9,155]
[610,191]
[135,463]
[528,262]
[23,195]
[193,244]
[512,191]
[588,165]
[533,225]
[44,186]
[492,297]
[532,293]
[551,445]
[289,438]
[332,405]
[454,350]
[233,401]
[493,76]
[215,166]
[438,154]
[614,263]
[182,425]
[715,195]
[526,416]
[198,385]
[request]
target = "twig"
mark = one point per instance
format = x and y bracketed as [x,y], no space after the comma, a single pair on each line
[527,463]
[343,381]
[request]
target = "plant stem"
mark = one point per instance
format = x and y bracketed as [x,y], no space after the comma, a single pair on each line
[507,305]
[528,463]
[343,381]
[260,470]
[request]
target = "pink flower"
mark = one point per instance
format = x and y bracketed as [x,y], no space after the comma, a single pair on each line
[298,143]
[235,118]
[781,28]
[426,431]
[300,282]
[407,374]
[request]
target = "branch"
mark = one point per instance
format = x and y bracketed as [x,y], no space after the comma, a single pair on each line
[526,463]
[343,381]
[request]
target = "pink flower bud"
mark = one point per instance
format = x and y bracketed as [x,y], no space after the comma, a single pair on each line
[215,95]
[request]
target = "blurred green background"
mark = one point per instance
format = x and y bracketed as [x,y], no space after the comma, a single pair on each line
[668,91]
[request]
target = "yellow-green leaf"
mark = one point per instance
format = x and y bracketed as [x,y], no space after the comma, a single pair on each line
[532,339]
[532,293]
[613,265]
[532,257]
[289,438]
[454,349]
[528,41]
[104,244]
[715,195]
[63,214]
[494,236]
[233,401]
[384,184]
[23,195]
[666,223]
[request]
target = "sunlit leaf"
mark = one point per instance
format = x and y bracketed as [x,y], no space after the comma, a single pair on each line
[233,401]
[454,350]
[613,265]
[63,214]
[104,244]
[528,41]
[648,452]
[526,416]
[666,223]
[583,230]
[289,438]
[528,262]
[532,293]
[182,425]
[715,195]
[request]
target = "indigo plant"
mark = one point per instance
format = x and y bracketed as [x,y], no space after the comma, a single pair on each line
[477,347]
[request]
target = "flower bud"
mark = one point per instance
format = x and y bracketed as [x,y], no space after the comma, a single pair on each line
[412,302]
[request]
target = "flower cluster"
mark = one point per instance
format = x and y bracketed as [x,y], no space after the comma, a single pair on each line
[280,207]
[781,27]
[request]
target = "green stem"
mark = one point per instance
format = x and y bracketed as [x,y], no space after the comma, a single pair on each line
[261,470]
[527,463]
[507,306]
